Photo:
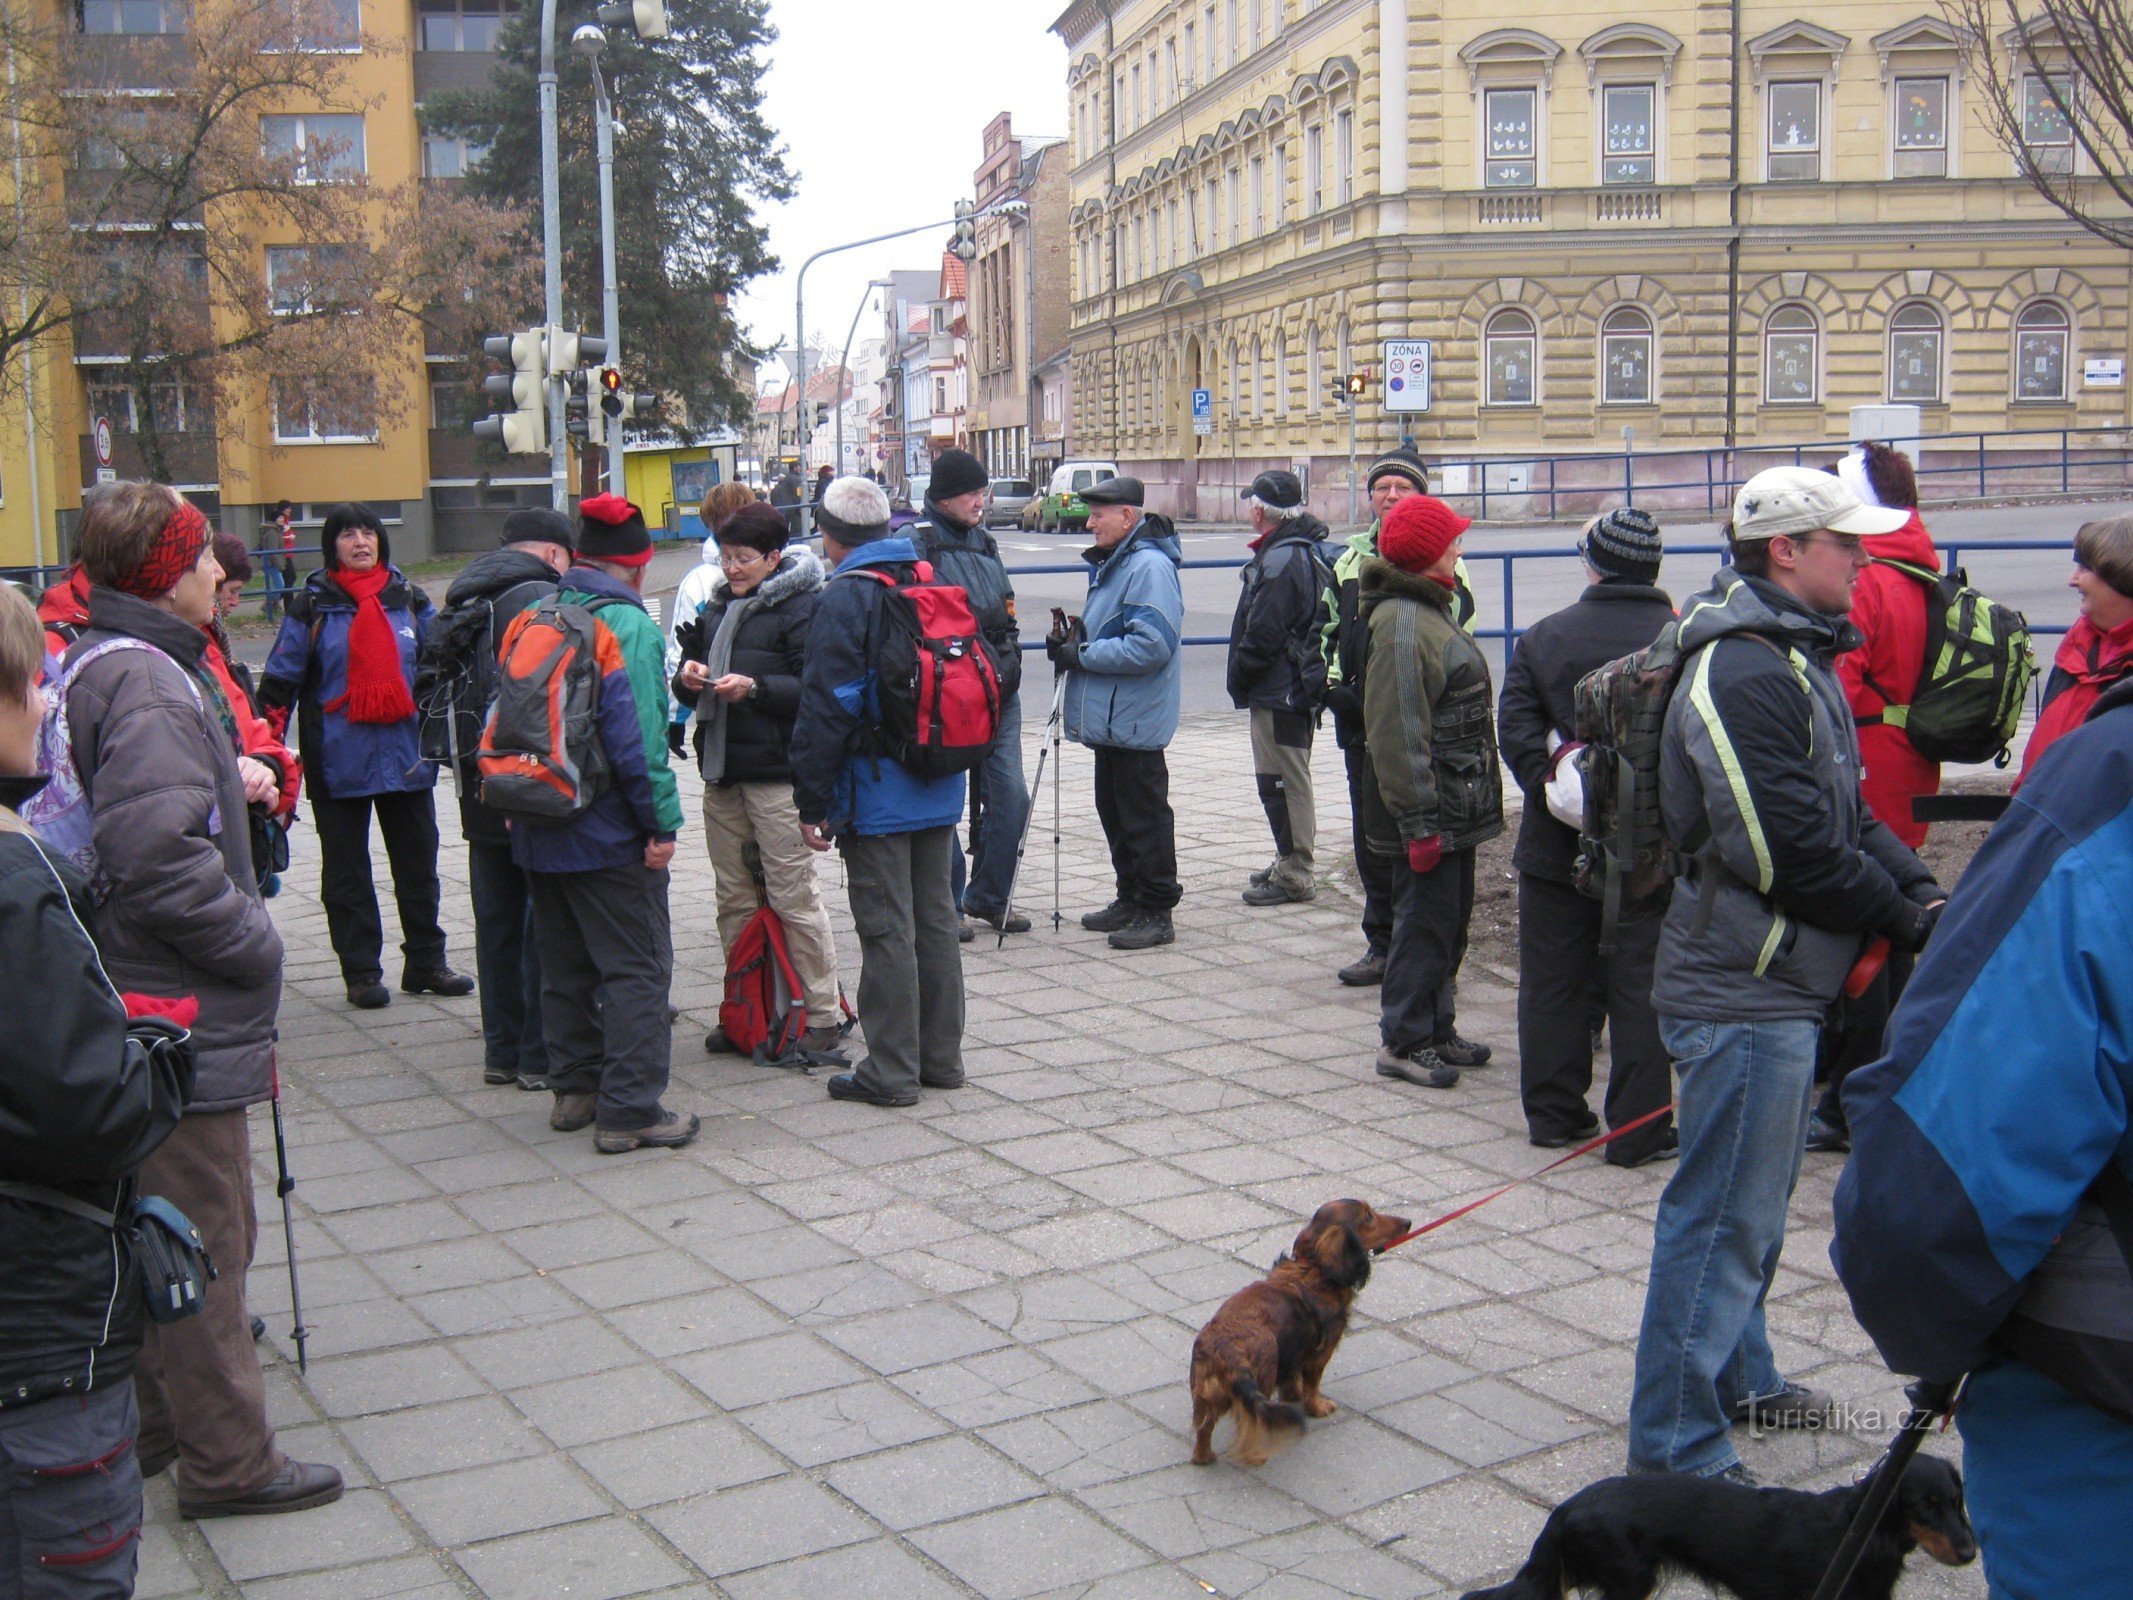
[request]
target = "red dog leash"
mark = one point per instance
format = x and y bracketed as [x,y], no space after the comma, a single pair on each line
[1583,1149]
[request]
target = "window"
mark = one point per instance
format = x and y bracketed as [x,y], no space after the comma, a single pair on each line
[1914,354]
[2042,333]
[1258,187]
[1921,128]
[1343,157]
[450,155]
[1511,160]
[1630,141]
[308,414]
[1170,68]
[1281,185]
[1626,357]
[1140,248]
[173,404]
[1314,170]
[1795,131]
[462,25]
[299,277]
[2047,136]
[321,147]
[1133,106]
[1266,377]
[1213,216]
[1281,374]
[1213,47]
[448,400]
[1177,241]
[1511,350]
[1230,206]
[1191,52]
[325,25]
[133,16]
[1791,344]
[1236,33]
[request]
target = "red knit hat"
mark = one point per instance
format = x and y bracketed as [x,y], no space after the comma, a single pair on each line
[1417,532]
[612,529]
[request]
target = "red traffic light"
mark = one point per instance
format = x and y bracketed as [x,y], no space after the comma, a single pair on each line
[611,380]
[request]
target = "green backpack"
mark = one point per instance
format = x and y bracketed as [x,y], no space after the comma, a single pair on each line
[1977,669]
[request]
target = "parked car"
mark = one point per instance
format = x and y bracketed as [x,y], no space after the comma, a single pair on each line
[1063,510]
[1009,496]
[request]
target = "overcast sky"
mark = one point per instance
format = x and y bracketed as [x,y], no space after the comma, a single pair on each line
[882,105]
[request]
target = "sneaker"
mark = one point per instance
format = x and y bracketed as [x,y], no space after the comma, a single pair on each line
[1367,973]
[1113,917]
[1668,1149]
[1824,1134]
[299,1486]
[1002,921]
[1273,892]
[1459,1052]
[435,980]
[1794,1406]
[1147,930]
[717,1044]
[1739,1476]
[371,995]
[670,1132]
[499,1075]
[1556,1138]
[1264,873]
[846,1086]
[572,1112]
[1421,1065]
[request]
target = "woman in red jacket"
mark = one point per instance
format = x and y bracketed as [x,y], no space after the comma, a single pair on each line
[2098,649]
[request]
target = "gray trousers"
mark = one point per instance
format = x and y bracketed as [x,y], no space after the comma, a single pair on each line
[1281,761]
[910,965]
[70,1497]
[607,961]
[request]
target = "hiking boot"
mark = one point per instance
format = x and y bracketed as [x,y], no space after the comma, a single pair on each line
[846,1086]
[823,1042]
[1113,917]
[1421,1065]
[1794,1406]
[1825,1134]
[1739,1476]
[435,980]
[1367,973]
[1274,892]
[670,1132]
[1457,1052]
[1145,932]
[1002,922]
[499,1075]
[717,1044]
[572,1112]
[1556,1138]
[1265,873]
[299,1486]
[1667,1149]
[370,995]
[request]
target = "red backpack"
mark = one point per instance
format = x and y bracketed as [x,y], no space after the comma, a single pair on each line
[764,1014]
[937,686]
[541,757]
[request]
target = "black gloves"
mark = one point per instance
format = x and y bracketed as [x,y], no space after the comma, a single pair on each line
[1342,700]
[690,637]
[1917,925]
[1063,645]
[675,731]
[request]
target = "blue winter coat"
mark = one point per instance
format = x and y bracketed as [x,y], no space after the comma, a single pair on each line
[309,666]
[1127,690]
[836,781]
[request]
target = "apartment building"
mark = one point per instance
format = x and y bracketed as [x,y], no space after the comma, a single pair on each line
[1018,297]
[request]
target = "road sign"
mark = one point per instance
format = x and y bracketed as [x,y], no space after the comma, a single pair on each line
[1408,367]
[1203,411]
[102,430]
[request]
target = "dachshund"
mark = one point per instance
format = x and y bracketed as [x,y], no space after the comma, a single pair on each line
[1260,1357]
[1621,1537]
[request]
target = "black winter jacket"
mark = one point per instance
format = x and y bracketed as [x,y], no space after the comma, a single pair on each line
[82,1104]
[770,646]
[970,557]
[1608,621]
[1279,614]
[511,581]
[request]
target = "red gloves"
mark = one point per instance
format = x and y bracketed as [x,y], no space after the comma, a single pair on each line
[182,1012]
[1424,854]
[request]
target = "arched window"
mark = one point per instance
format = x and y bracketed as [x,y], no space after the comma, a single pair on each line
[2043,333]
[1316,387]
[1915,353]
[1511,352]
[1626,357]
[1265,401]
[1281,374]
[1791,356]
[1341,352]
[1240,382]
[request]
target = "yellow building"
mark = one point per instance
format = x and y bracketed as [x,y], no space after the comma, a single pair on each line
[1720,223]
[250,448]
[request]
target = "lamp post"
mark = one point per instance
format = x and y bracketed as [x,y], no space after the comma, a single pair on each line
[844,365]
[589,41]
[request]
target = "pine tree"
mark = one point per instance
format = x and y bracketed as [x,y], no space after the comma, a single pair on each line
[693,157]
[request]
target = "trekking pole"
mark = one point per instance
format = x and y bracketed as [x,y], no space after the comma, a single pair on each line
[1029,820]
[1058,727]
[284,1185]
[1929,1402]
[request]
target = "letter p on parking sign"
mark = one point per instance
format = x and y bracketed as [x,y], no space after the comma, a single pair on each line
[1407,371]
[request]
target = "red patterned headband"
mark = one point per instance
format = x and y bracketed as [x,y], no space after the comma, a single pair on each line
[175,552]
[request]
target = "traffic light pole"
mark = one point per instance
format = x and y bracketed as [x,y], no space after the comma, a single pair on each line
[610,310]
[1351,462]
[552,259]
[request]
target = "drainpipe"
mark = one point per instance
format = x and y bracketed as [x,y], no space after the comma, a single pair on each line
[1733,241]
[29,352]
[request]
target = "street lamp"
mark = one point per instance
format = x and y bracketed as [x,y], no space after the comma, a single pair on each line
[844,366]
[590,42]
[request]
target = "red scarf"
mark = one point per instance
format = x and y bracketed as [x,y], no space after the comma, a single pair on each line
[377,689]
[2094,660]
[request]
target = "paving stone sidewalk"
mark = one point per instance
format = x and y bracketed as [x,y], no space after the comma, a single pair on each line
[837,1351]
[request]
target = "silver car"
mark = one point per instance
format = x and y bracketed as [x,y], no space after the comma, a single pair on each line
[1010,497]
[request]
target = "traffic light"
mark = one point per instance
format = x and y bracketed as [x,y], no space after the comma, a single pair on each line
[612,402]
[1337,388]
[524,429]
[567,349]
[585,420]
[1358,384]
[964,246]
[648,17]
[822,413]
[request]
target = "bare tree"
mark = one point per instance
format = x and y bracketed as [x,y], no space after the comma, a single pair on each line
[196,216]
[2063,84]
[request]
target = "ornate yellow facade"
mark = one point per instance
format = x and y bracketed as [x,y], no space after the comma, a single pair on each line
[1721,223]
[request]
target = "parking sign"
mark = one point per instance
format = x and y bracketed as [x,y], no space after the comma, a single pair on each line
[1407,374]
[1203,411]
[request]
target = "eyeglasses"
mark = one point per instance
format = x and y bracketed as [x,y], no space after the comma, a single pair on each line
[1851,544]
[740,558]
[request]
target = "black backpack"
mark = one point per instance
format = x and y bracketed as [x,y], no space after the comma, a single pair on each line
[455,677]
[1307,654]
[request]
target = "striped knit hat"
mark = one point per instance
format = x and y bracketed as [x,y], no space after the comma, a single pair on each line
[1401,463]
[1623,543]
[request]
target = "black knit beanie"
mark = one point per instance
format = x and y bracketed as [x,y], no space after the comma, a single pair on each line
[1623,543]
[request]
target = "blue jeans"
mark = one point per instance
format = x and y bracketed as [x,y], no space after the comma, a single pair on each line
[1742,1112]
[999,804]
[2048,1481]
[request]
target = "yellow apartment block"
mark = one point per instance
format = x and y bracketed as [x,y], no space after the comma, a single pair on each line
[1718,223]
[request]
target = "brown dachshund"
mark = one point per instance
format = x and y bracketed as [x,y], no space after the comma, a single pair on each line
[1260,1357]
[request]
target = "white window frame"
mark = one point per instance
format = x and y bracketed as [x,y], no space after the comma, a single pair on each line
[1657,91]
[1948,119]
[167,12]
[1344,155]
[1489,92]
[1819,150]
[1497,331]
[290,253]
[300,123]
[1314,168]
[310,435]
[1648,333]
[1939,335]
[1281,185]
[458,12]
[2072,161]
[1256,183]
[1813,333]
[2064,329]
[1281,373]
[334,44]
[1232,181]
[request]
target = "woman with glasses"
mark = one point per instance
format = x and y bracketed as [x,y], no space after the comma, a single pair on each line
[740,673]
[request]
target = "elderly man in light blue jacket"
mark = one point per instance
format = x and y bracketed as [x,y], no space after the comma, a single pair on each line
[1123,688]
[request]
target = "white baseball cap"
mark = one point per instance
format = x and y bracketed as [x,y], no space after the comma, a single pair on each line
[1790,501]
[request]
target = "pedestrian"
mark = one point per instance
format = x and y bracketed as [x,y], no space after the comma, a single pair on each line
[255,733]
[1560,963]
[894,828]
[785,494]
[1273,639]
[1985,1222]
[599,881]
[1438,794]
[86,1094]
[277,548]
[181,919]
[1124,686]
[1759,774]
[722,500]
[2098,649]
[490,592]
[345,660]
[952,535]
[741,661]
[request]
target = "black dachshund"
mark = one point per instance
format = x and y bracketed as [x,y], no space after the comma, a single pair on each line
[1620,1537]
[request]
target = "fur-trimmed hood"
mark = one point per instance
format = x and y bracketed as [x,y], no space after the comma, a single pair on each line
[799,573]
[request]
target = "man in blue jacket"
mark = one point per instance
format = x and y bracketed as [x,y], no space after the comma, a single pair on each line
[1985,1222]
[1124,683]
[896,830]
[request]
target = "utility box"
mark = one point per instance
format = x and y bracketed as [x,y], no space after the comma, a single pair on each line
[1885,423]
